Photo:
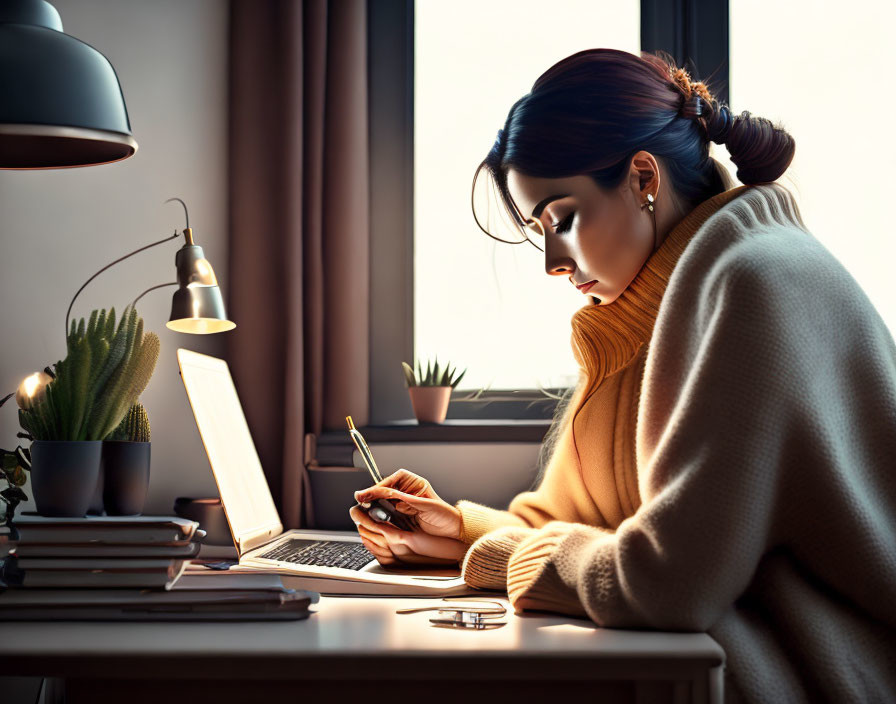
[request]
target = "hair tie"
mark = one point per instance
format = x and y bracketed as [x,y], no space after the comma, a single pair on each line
[719,124]
[697,101]
[692,107]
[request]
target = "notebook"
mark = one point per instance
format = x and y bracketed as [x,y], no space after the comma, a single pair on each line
[106,530]
[330,562]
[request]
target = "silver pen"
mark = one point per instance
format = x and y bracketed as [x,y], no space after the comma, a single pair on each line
[381,509]
[366,454]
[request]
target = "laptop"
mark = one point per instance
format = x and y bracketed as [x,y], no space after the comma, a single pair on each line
[330,562]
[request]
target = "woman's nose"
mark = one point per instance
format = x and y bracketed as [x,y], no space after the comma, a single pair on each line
[558,269]
[557,261]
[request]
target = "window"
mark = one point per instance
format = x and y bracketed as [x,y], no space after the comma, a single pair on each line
[482,304]
[438,284]
[823,70]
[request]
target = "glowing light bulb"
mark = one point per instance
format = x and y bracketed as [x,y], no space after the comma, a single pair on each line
[32,389]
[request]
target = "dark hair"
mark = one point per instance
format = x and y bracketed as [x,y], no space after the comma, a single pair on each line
[592,111]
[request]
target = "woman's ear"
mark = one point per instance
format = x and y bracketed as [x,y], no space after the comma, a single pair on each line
[644,175]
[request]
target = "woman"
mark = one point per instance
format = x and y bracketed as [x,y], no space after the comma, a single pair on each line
[725,463]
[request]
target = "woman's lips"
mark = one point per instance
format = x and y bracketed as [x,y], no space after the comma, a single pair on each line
[584,287]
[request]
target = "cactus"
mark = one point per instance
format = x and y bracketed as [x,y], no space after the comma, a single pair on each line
[104,373]
[134,427]
[433,376]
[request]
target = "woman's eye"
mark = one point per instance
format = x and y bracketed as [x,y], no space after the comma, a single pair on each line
[564,224]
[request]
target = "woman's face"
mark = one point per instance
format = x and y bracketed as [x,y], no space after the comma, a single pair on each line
[591,234]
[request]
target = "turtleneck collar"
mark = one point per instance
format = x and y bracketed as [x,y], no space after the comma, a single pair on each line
[606,338]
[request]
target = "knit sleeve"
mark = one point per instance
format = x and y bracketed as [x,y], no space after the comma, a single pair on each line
[722,417]
[476,520]
[485,564]
[529,509]
[553,499]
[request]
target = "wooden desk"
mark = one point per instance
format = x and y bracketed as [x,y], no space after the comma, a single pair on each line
[358,649]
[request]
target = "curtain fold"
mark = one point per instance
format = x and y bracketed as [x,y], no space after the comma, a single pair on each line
[299,238]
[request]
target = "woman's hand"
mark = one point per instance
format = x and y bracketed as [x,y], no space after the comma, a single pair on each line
[436,538]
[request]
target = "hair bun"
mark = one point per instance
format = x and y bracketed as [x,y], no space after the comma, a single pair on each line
[761,150]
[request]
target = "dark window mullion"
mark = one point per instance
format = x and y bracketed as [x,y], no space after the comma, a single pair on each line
[695,33]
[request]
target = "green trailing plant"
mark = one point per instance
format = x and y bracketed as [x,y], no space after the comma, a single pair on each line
[105,371]
[433,375]
[134,427]
[13,467]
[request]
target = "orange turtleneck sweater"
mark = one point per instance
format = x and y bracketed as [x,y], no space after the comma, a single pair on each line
[591,477]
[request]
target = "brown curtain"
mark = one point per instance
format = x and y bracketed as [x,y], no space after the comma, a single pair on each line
[299,230]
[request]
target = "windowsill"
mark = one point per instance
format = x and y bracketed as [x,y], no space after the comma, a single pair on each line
[451,430]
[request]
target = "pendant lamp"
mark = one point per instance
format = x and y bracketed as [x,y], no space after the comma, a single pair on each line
[60,101]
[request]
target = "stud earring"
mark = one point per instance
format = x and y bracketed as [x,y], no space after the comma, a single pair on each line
[649,202]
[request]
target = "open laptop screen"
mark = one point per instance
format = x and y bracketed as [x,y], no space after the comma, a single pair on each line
[222,425]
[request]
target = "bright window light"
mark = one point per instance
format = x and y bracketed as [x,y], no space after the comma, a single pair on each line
[479,303]
[822,69]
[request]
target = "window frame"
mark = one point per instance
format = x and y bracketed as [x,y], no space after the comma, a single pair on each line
[694,32]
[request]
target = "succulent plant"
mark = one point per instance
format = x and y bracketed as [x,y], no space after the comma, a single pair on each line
[134,427]
[433,375]
[104,373]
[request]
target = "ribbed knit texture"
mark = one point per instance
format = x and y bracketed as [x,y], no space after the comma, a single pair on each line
[764,444]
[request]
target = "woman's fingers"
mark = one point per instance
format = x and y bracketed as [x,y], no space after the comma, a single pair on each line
[360,517]
[405,481]
[405,507]
[384,492]
[384,557]
[376,538]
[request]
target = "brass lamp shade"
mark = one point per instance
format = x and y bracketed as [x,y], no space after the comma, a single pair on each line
[197,306]
[62,104]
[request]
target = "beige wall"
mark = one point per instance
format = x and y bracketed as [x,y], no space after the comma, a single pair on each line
[58,227]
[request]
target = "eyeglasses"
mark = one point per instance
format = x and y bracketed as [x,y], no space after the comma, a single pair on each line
[534,224]
[478,618]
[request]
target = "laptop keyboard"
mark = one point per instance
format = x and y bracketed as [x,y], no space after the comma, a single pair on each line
[321,553]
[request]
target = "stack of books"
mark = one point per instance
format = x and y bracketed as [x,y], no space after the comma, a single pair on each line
[124,568]
[101,551]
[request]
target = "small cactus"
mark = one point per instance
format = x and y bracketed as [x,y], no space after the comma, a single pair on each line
[134,427]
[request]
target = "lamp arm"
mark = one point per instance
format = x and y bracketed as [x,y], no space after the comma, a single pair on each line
[68,312]
[173,283]
[186,212]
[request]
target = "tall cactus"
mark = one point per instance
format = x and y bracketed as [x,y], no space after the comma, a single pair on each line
[104,373]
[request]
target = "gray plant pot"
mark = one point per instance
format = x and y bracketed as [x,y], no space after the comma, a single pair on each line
[96,502]
[64,474]
[125,469]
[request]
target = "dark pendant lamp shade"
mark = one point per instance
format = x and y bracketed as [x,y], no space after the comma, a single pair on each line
[61,104]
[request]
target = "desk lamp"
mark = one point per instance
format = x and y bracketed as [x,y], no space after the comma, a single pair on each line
[198,306]
[61,103]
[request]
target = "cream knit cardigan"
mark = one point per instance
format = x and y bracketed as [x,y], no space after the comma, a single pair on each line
[766,468]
